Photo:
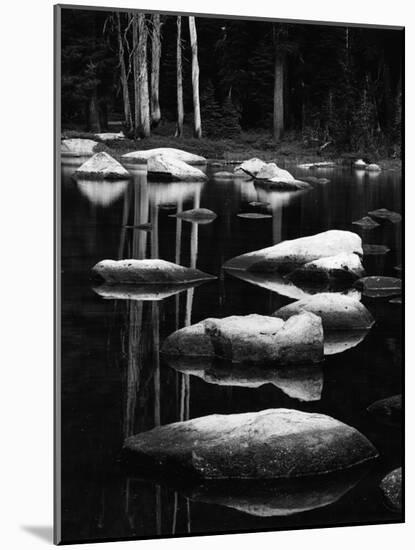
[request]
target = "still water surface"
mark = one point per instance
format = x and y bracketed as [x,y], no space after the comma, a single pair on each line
[115,383]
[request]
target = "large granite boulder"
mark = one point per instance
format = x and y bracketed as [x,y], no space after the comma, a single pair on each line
[270,444]
[170,168]
[102,166]
[271,171]
[253,339]
[147,272]
[249,167]
[178,154]
[391,488]
[77,147]
[344,267]
[288,255]
[337,311]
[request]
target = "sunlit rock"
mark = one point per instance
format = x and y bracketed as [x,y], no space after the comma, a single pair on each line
[288,255]
[391,487]
[366,223]
[375,249]
[337,312]
[102,192]
[360,164]
[342,267]
[387,410]
[379,287]
[170,168]
[383,214]
[261,339]
[141,293]
[251,166]
[197,215]
[77,147]
[304,383]
[184,156]
[271,171]
[110,136]
[147,272]
[270,444]
[323,164]
[102,166]
[373,167]
[254,339]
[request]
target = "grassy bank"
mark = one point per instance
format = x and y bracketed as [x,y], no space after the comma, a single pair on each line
[247,145]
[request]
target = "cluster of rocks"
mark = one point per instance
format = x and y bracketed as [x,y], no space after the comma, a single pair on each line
[269,175]
[360,164]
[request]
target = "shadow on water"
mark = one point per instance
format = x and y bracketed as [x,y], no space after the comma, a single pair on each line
[115,383]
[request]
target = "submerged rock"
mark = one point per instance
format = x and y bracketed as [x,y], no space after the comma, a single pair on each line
[375,249]
[379,287]
[337,312]
[258,203]
[147,272]
[170,168]
[270,444]
[304,383]
[323,180]
[342,267]
[223,175]
[197,215]
[391,488]
[77,147]
[184,156]
[388,410]
[254,339]
[366,223]
[254,215]
[288,255]
[383,214]
[251,166]
[102,166]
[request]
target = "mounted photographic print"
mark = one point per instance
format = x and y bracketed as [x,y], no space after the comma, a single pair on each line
[229,274]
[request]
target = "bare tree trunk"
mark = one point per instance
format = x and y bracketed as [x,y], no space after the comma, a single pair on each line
[278,97]
[143,78]
[155,70]
[136,75]
[195,78]
[124,82]
[179,76]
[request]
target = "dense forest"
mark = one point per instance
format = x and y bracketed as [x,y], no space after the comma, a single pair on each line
[325,85]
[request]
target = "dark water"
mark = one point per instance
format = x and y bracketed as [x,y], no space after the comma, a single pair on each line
[114,382]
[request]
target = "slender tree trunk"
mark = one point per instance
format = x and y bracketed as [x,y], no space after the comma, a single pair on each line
[278,96]
[94,124]
[143,76]
[124,82]
[155,70]
[195,78]
[179,76]
[136,76]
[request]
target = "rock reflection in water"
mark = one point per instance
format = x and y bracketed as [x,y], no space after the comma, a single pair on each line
[304,383]
[338,341]
[102,192]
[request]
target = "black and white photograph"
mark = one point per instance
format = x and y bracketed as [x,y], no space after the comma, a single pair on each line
[229,225]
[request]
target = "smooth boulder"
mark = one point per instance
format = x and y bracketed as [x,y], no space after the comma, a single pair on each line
[288,255]
[342,267]
[337,311]
[391,487]
[373,167]
[270,444]
[249,167]
[102,166]
[170,168]
[253,339]
[184,156]
[147,272]
[77,147]
[359,164]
